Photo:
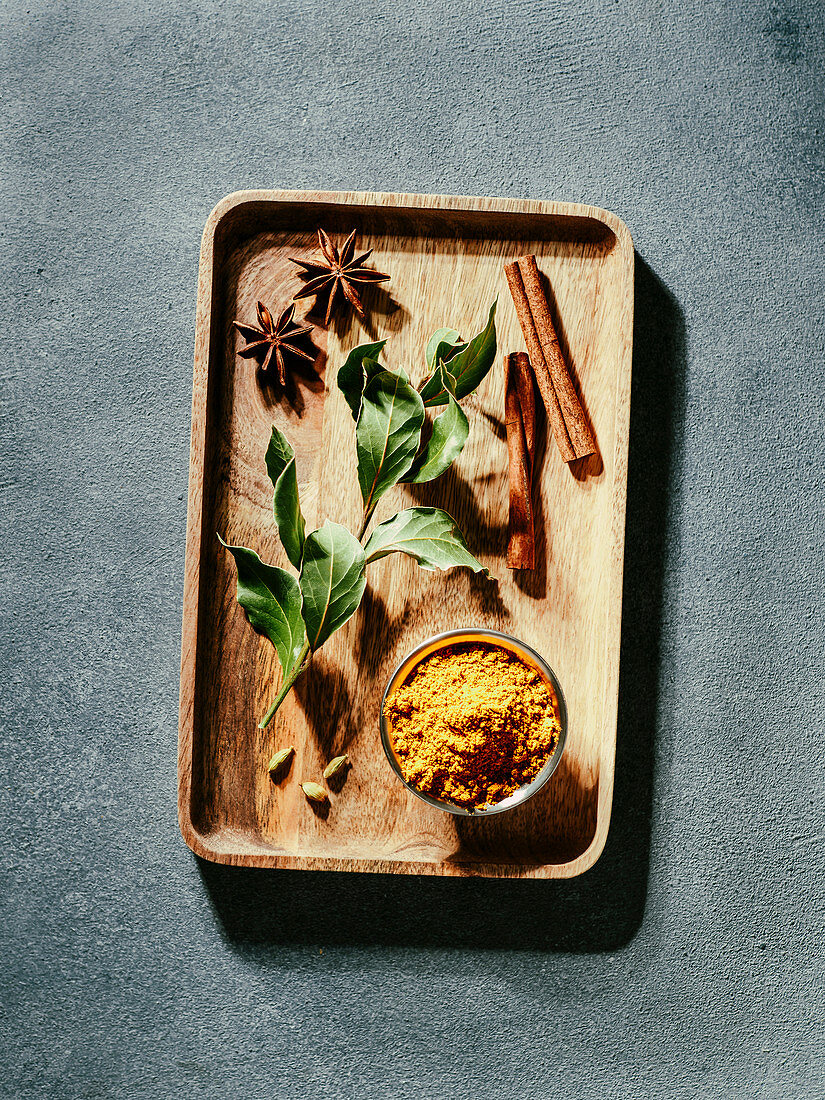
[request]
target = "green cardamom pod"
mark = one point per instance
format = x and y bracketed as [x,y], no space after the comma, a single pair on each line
[335,766]
[279,759]
[314,792]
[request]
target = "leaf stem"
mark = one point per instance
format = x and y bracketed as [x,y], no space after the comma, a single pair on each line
[365,524]
[286,686]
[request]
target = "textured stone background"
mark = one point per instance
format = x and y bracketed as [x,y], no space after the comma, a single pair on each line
[689,962]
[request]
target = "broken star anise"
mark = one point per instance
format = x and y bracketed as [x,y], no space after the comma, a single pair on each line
[337,270]
[273,339]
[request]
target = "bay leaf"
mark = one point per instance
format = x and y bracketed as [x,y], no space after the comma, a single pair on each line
[442,344]
[353,375]
[288,515]
[387,434]
[469,366]
[271,598]
[278,453]
[450,432]
[286,506]
[429,535]
[332,580]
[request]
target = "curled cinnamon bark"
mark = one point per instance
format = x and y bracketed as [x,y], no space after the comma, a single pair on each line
[527,403]
[581,435]
[551,370]
[521,546]
[545,383]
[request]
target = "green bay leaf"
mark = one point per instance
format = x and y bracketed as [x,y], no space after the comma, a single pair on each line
[271,599]
[450,432]
[429,535]
[288,514]
[286,506]
[278,454]
[353,375]
[441,345]
[332,580]
[438,386]
[469,366]
[387,434]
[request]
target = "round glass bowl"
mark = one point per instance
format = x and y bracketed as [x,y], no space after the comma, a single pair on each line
[522,651]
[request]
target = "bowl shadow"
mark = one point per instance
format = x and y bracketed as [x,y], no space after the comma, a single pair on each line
[601,910]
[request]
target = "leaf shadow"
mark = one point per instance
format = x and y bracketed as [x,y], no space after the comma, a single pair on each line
[379,302]
[497,425]
[326,703]
[486,593]
[455,495]
[377,632]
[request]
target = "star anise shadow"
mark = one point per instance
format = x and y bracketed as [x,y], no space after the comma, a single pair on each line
[379,303]
[381,308]
[303,381]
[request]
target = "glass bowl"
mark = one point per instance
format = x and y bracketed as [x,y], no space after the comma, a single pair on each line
[526,654]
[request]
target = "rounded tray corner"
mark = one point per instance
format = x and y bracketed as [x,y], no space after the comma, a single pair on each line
[617,227]
[196,841]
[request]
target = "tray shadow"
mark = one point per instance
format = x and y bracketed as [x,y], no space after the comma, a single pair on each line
[603,909]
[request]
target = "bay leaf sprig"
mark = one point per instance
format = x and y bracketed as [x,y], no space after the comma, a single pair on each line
[298,614]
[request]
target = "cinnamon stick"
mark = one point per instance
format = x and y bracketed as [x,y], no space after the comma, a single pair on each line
[581,435]
[545,383]
[551,370]
[527,403]
[521,547]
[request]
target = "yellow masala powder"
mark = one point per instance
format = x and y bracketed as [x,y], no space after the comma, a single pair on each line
[472,723]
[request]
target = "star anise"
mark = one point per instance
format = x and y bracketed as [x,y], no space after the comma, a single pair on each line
[273,339]
[337,270]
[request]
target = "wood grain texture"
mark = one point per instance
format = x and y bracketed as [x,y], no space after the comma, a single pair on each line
[445,255]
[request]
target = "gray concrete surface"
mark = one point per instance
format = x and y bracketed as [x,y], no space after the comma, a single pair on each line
[689,962]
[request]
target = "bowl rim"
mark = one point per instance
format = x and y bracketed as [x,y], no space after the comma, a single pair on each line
[519,797]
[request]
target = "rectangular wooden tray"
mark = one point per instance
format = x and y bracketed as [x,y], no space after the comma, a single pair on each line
[445,255]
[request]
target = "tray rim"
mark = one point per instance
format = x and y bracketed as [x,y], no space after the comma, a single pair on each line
[197,841]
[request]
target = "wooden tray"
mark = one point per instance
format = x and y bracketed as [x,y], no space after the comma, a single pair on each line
[446,256]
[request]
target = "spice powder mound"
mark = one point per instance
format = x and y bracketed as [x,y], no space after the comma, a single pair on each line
[472,723]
